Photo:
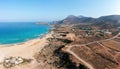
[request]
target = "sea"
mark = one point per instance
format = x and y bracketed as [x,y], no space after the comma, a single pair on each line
[18,32]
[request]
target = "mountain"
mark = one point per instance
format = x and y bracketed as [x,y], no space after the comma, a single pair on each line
[87,20]
[71,19]
[103,21]
[80,16]
[111,17]
[108,21]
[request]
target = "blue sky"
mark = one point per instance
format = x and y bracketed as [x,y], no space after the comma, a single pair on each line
[48,10]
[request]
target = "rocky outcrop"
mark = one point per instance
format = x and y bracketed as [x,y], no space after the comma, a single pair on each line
[13,61]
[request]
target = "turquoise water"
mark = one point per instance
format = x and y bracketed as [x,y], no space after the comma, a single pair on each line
[16,32]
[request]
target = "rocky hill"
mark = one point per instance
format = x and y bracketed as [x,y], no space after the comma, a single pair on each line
[103,21]
[71,19]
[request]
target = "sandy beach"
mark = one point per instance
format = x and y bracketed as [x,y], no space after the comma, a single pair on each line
[26,50]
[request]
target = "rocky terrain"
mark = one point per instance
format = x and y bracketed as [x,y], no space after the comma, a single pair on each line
[86,46]
[73,43]
[13,61]
[83,43]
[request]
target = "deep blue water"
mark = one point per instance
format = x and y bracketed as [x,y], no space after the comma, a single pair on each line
[16,32]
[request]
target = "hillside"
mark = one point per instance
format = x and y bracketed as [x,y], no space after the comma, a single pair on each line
[103,21]
[81,47]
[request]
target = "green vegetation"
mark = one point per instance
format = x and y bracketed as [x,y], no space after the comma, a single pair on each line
[84,27]
[100,35]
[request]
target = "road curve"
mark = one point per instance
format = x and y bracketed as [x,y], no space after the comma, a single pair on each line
[84,62]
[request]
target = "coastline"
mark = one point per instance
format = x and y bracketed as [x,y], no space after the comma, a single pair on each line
[26,49]
[19,43]
[16,34]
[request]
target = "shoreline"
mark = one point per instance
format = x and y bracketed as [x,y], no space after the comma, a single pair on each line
[13,41]
[19,43]
[26,49]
